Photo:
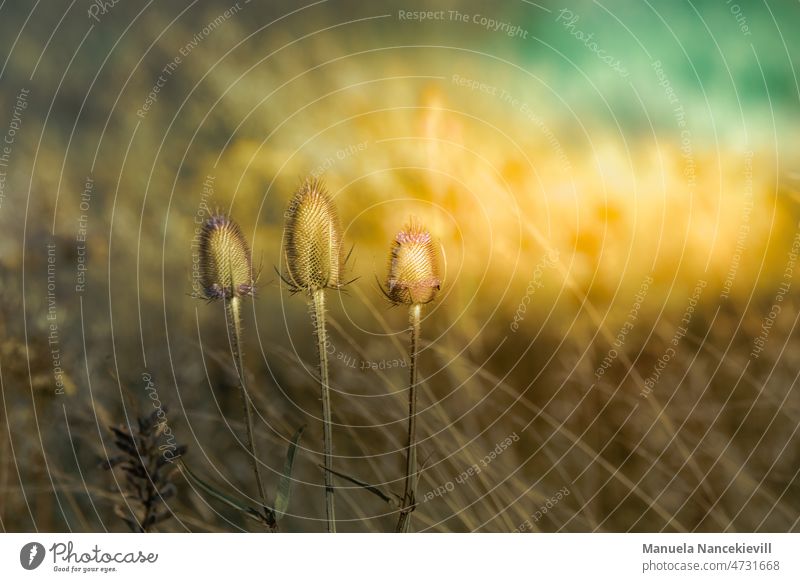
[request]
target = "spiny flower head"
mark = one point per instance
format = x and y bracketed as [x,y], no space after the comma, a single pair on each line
[313,240]
[226,268]
[413,267]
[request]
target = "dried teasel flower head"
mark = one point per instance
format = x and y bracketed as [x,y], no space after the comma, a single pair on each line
[226,267]
[413,267]
[313,240]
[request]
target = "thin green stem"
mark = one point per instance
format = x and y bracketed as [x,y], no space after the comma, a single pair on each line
[233,307]
[412,476]
[318,300]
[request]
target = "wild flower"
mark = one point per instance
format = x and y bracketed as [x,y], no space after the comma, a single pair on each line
[412,280]
[314,257]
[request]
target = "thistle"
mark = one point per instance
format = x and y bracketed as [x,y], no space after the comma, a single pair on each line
[413,267]
[314,251]
[413,280]
[226,273]
[226,270]
[314,262]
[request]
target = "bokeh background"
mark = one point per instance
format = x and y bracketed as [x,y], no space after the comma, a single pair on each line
[615,189]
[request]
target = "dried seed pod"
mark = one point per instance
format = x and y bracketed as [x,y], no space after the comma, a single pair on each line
[226,267]
[413,267]
[313,240]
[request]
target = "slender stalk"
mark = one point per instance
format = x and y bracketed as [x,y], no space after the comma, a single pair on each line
[318,300]
[234,316]
[412,476]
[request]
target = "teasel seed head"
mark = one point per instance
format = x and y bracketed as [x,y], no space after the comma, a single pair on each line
[226,267]
[413,267]
[313,246]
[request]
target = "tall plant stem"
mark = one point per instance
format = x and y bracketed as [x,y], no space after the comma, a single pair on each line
[234,316]
[412,476]
[318,300]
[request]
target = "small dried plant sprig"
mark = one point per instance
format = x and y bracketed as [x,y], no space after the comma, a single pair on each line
[147,472]
[226,271]
[412,280]
[315,260]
